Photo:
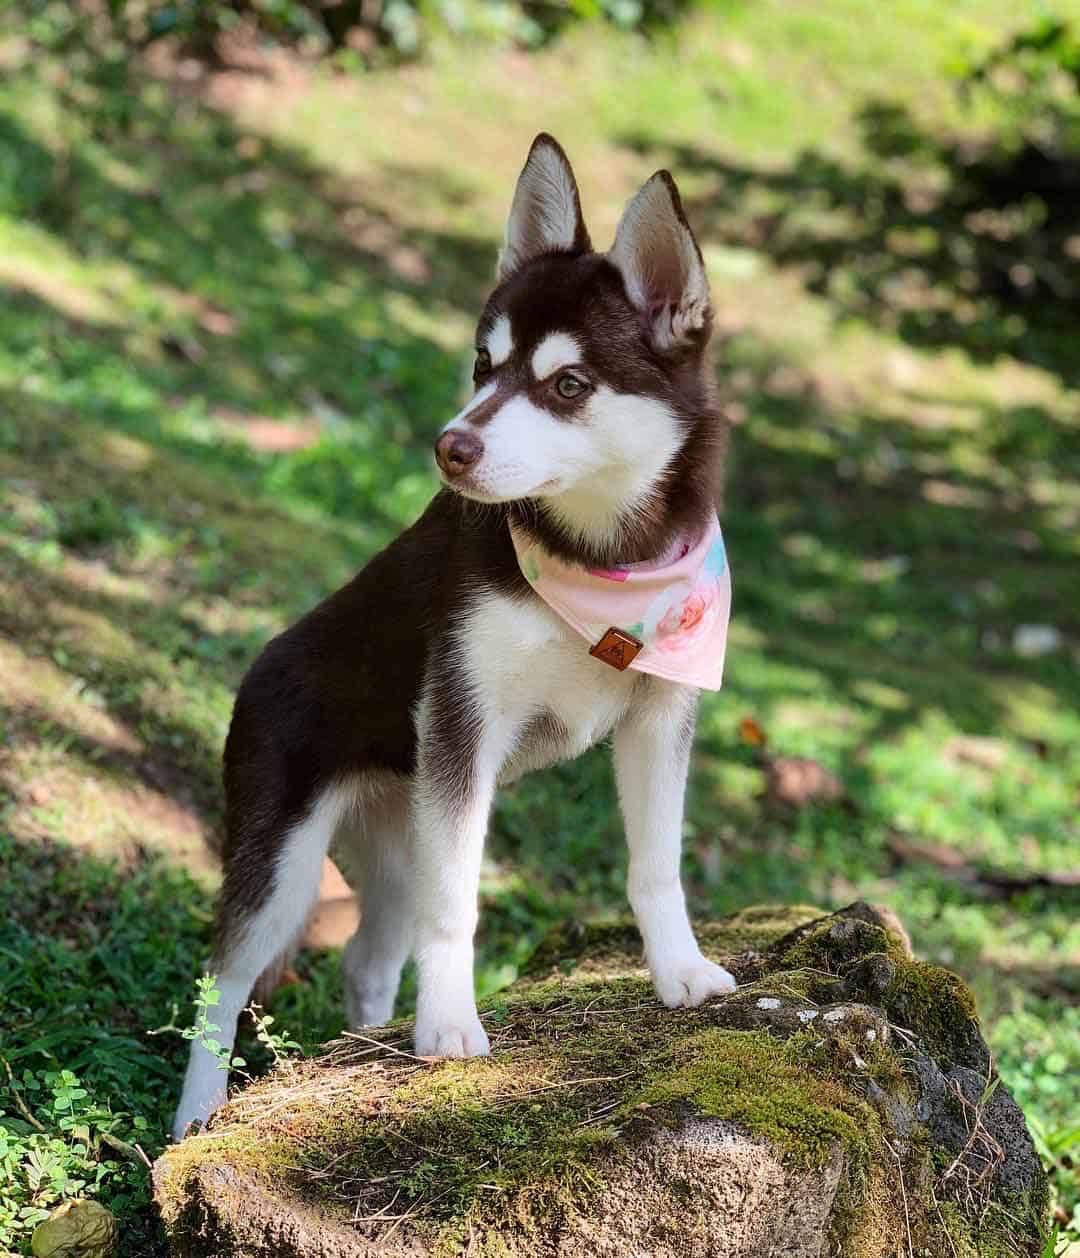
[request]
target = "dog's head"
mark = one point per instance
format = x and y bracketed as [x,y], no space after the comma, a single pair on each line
[592,407]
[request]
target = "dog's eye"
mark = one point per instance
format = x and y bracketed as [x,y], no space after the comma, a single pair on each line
[570,386]
[482,366]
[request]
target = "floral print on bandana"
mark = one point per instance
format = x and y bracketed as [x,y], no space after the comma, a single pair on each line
[678,607]
[689,612]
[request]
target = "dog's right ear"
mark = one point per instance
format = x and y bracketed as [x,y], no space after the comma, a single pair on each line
[546,214]
[662,267]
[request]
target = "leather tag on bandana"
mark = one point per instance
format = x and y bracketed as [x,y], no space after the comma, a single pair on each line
[616,648]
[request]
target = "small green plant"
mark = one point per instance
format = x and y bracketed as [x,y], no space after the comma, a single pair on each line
[202,1030]
[1057,1244]
[278,1044]
[57,1141]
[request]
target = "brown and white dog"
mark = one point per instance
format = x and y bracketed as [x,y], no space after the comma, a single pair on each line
[384,720]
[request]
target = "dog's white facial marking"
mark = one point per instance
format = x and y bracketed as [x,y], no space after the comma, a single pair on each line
[632,440]
[525,447]
[500,341]
[591,472]
[557,349]
[460,420]
[477,400]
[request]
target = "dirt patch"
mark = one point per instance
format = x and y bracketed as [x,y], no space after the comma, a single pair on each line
[269,435]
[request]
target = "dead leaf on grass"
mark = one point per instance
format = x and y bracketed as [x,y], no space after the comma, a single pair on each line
[796,781]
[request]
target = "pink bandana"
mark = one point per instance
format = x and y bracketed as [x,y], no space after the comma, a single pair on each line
[667,616]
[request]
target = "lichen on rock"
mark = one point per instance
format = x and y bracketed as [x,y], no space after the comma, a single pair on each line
[840,1102]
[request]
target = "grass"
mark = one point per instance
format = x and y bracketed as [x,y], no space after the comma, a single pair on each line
[236,310]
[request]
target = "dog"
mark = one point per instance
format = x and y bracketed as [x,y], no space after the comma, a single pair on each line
[580,481]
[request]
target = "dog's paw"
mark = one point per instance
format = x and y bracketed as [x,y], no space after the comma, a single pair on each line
[451,1038]
[204,1092]
[187,1116]
[691,983]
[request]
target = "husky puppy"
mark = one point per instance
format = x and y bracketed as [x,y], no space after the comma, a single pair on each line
[385,719]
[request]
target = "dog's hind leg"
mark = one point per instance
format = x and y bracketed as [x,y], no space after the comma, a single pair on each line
[377,855]
[263,908]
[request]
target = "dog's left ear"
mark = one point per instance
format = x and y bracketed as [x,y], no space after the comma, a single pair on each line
[546,214]
[661,265]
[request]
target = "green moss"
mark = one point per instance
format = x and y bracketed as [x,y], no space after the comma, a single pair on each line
[751,1079]
[755,928]
[582,986]
[994,1233]
[886,1069]
[611,947]
[836,944]
[574,946]
[867,962]
[939,1007]
[243,1147]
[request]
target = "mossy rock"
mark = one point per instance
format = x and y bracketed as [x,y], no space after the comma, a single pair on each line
[841,1102]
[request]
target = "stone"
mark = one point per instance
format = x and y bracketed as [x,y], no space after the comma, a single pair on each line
[841,1102]
[76,1229]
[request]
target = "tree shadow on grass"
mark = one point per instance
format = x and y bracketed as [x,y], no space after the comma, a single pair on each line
[257,297]
[869,553]
[902,543]
[940,240]
[183,280]
[164,585]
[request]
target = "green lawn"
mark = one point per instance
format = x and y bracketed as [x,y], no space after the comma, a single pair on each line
[235,310]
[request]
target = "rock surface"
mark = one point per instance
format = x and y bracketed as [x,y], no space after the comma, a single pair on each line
[841,1102]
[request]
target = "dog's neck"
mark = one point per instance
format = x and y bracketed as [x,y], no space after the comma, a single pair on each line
[600,528]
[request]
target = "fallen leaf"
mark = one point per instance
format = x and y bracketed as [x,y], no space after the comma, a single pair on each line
[217,322]
[751,732]
[797,781]
[985,753]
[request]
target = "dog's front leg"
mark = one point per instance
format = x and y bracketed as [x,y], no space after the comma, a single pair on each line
[455,784]
[652,756]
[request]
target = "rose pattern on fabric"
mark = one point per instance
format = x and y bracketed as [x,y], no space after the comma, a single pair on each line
[677,606]
[681,616]
[689,612]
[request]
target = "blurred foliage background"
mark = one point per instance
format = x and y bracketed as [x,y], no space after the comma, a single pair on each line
[242,248]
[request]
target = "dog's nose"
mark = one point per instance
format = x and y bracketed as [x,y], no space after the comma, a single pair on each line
[457,450]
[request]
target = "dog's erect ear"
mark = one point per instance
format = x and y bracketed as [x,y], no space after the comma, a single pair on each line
[546,214]
[661,264]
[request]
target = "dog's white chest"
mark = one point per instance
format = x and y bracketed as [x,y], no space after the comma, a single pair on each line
[525,664]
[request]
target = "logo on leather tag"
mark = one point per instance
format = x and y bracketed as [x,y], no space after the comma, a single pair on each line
[616,648]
